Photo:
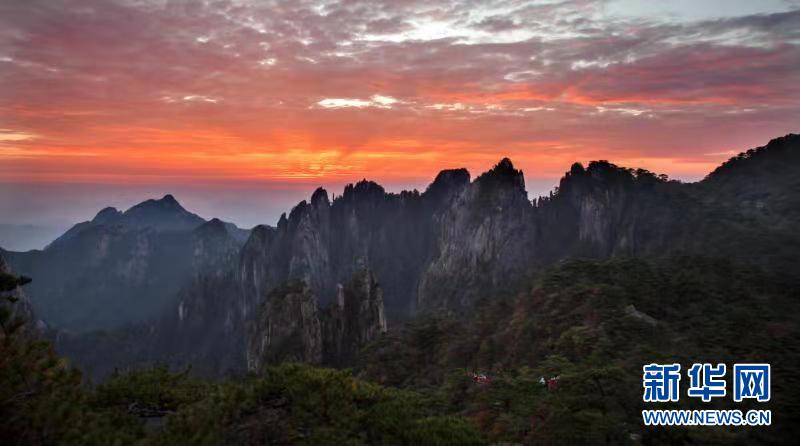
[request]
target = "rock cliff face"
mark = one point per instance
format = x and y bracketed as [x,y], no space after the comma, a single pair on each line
[287,328]
[214,249]
[206,327]
[324,243]
[483,240]
[604,210]
[437,249]
[297,249]
[290,326]
[356,318]
[460,240]
[15,302]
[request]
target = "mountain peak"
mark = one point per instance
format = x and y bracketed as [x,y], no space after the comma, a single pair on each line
[215,222]
[162,214]
[364,190]
[780,156]
[213,227]
[505,164]
[169,199]
[107,215]
[320,195]
[451,177]
[502,174]
[448,182]
[167,202]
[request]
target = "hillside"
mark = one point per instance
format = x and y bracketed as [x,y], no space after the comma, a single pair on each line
[594,324]
[124,267]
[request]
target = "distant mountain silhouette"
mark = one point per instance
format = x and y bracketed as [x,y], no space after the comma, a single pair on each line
[162,215]
[123,267]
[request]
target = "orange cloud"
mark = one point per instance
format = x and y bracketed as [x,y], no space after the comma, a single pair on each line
[185,94]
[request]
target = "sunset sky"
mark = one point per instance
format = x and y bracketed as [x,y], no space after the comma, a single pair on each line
[241,108]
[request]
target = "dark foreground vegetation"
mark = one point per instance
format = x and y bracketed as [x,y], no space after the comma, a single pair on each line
[593,324]
[43,401]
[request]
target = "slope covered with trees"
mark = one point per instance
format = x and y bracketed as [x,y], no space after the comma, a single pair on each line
[43,401]
[594,324]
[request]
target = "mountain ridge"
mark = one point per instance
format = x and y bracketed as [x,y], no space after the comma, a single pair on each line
[125,267]
[442,250]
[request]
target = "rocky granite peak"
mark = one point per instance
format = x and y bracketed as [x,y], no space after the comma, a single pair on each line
[289,324]
[363,191]
[447,184]
[355,318]
[320,198]
[123,268]
[482,240]
[167,202]
[503,174]
[282,221]
[450,178]
[107,215]
[286,328]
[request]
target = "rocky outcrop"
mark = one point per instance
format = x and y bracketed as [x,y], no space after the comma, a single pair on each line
[605,210]
[459,240]
[206,331]
[296,249]
[324,243]
[13,301]
[286,328]
[290,326]
[215,249]
[483,240]
[259,267]
[356,318]
[308,234]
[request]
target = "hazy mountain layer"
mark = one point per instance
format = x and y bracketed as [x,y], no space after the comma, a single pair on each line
[124,267]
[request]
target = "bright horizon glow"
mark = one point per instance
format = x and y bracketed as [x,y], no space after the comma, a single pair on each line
[241,108]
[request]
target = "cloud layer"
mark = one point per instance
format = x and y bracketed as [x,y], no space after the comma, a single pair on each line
[299,92]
